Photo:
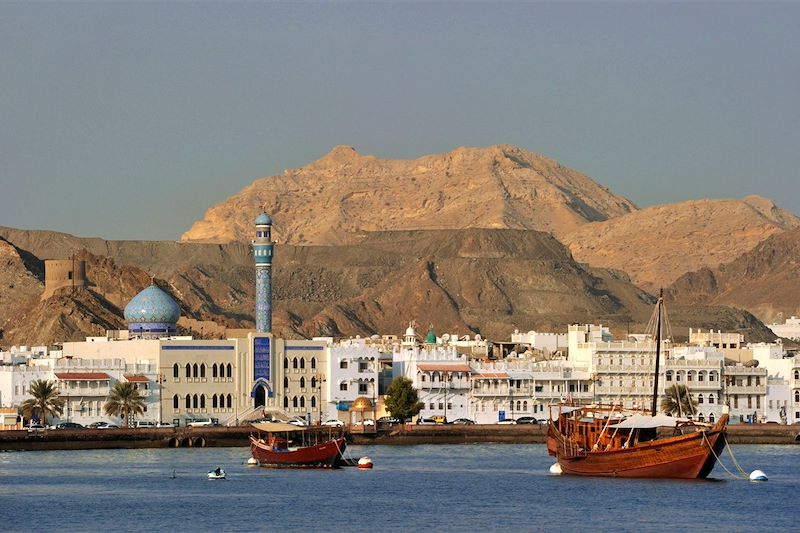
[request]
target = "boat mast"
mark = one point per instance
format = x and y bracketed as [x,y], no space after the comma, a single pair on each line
[658,350]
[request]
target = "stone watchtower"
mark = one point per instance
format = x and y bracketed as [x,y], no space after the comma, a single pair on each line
[59,273]
[262,253]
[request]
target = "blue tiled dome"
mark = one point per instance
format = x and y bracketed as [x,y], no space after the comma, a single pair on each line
[263,219]
[152,306]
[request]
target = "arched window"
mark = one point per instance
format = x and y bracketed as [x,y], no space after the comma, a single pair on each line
[294,362]
[525,405]
[302,362]
[313,383]
[797,374]
[175,371]
[230,401]
[313,402]
[294,401]
[701,418]
[796,396]
[422,378]
[313,363]
[701,376]
[710,398]
[202,401]
[699,398]
[230,371]
[188,401]
[678,376]
[285,402]
[302,401]
[302,382]
[188,370]
[214,370]
[203,370]
[669,375]
[711,417]
[519,405]
[690,376]
[194,370]
[214,401]
[712,376]
[175,401]
[285,362]
[194,401]
[285,383]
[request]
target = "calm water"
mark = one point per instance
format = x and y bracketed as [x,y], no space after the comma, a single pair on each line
[433,488]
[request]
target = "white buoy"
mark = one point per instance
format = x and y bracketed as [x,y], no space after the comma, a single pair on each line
[555,469]
[758,475]
[252,462]
[365,463]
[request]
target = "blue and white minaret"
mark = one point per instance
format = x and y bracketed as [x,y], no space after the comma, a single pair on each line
[262,253]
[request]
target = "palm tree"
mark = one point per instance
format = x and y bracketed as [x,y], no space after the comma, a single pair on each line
[678,401]
[45,400]
[124,400]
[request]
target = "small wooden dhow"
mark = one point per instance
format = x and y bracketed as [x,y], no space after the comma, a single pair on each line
[606,441]
[269,448]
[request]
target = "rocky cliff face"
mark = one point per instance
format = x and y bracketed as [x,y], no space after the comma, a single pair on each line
[339,197]
[657,245]
[763,280]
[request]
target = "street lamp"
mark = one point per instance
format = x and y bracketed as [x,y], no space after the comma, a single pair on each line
[320,381]
[160,379]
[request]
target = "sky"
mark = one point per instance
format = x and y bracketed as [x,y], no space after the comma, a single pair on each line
[129,120]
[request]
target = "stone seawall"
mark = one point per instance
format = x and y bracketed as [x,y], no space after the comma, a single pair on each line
[408,435]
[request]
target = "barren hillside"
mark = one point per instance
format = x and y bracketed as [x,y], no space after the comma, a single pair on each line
[658,244]
[339,197]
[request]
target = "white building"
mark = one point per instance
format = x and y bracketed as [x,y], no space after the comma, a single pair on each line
[788,330]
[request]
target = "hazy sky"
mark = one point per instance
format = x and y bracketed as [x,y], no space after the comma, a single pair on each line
[127,121]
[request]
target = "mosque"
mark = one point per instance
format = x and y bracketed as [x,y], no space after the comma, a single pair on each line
[185,378]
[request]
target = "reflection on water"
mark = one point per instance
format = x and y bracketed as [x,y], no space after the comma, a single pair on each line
[480,487]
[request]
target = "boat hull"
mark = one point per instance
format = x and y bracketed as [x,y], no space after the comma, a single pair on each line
[324,455]
[689,456]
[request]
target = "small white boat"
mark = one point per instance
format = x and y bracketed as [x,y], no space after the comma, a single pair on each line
[217,473]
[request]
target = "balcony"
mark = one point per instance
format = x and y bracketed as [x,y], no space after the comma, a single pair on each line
[744,390]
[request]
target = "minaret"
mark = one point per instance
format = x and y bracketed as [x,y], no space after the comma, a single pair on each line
[262,253]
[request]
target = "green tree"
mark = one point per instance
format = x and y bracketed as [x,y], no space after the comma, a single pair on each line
[124,400]
[402,400]
[45,400]
[677,401]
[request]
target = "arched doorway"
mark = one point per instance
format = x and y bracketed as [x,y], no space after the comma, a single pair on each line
[260,396]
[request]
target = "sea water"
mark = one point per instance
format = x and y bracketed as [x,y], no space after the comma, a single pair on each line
[481,487]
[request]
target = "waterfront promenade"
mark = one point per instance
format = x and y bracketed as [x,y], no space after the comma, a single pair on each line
[408,435]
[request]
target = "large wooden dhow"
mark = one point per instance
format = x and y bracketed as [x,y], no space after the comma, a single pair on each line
[606,441]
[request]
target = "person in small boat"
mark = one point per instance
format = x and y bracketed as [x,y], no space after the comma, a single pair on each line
[218,471]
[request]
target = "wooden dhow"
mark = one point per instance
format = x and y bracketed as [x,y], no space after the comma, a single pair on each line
[606,441]
[269,448]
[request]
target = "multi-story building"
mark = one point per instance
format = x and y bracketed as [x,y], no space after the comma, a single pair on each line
[788,330]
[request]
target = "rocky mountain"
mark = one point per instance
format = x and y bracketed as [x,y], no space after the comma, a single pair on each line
[763,280]
[460,281]
[338,198]
[21,283]
[658,244]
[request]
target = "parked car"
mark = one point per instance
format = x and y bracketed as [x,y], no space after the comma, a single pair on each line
[426,422]
[333,423]
[388,420]
[507,422]
[145,424]
[527,420]
[69,425]
[202,422]
[367,422]
[439,419]
[103,425]
[463,422]
[35,428]
[301,422]
[165,425]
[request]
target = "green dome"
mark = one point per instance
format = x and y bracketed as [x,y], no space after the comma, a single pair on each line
[431,338]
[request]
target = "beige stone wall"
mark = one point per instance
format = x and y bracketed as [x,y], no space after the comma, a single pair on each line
[60,273]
